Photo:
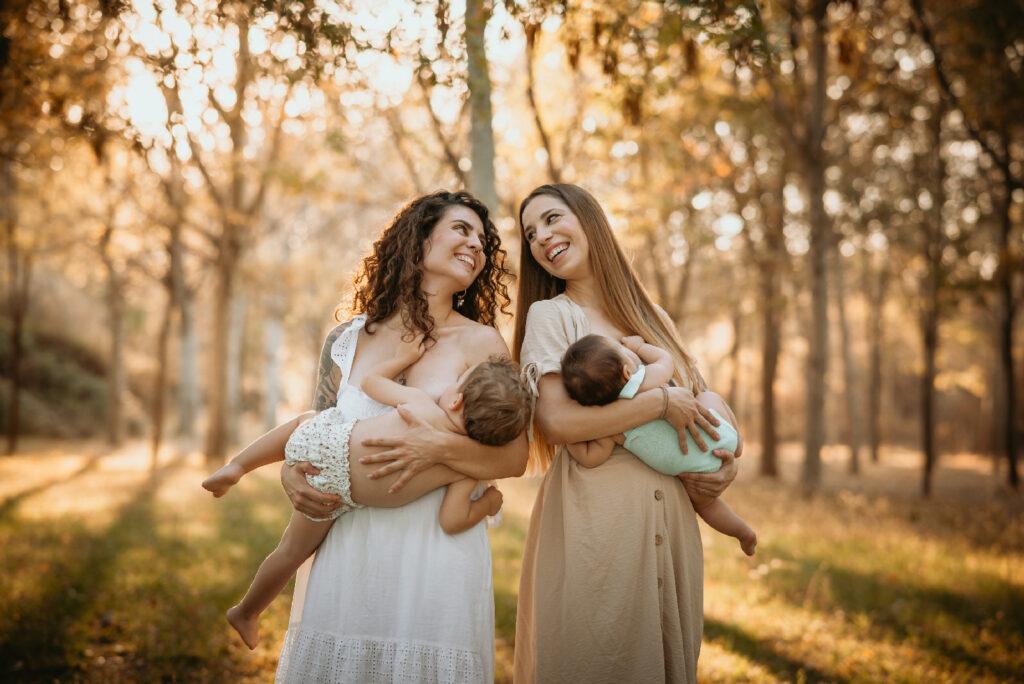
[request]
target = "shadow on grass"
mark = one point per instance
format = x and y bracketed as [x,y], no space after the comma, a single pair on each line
[10,504]
[760,651]
[44,636]
[946,623]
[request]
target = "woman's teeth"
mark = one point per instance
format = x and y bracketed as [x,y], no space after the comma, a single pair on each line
[466,260]
[556,251]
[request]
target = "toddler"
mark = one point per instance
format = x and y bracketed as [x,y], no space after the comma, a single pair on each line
[597,370]
[489,403]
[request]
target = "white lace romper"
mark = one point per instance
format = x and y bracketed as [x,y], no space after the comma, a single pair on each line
[323,441]
[389,597]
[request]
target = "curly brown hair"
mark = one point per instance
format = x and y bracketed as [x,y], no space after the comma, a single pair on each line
[389,278]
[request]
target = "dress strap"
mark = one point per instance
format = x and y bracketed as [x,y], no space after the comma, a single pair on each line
[344,348]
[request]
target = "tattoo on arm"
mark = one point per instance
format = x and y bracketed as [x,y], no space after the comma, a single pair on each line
[328,375]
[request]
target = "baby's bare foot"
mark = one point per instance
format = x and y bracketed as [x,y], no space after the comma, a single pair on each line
[247,628]
[748,543]
[224,479]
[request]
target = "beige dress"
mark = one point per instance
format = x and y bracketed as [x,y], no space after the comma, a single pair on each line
[612,578]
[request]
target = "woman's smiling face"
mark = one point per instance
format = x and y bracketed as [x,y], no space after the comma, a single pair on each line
[455,247]
[555,238]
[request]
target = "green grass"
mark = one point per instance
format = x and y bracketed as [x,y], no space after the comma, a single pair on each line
[111,573]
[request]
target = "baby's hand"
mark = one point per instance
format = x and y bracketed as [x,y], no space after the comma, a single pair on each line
[633,342]
[412,348]
[495,499]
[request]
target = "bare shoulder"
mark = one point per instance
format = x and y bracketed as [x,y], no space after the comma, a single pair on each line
[479,340]
[482,341]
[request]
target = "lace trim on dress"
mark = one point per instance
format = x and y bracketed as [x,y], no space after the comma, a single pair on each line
[343,349]
[310,656]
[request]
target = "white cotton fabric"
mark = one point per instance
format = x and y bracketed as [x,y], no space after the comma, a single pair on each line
[389,597]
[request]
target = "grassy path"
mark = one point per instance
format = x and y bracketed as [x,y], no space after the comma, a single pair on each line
[110,572]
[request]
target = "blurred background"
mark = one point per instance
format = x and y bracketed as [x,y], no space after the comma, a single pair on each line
[827,197]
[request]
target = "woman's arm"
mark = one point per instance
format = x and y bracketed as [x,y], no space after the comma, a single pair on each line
[563,421]
[424,445]
[305,499]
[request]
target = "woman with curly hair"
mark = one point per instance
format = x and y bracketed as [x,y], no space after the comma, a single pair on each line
[389,596]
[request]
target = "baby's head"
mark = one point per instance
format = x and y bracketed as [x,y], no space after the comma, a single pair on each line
[596,368]
[490,400]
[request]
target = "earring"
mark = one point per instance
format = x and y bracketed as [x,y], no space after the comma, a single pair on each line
[460,299]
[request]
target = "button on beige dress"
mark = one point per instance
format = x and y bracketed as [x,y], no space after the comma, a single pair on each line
[612,579]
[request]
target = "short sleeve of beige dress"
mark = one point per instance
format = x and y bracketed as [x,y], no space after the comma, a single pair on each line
[611,587]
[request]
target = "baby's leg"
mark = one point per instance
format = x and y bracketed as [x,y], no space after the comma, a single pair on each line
[720,517]
[268,448]
[300,540]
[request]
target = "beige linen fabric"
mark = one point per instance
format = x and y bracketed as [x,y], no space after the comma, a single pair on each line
[612,578]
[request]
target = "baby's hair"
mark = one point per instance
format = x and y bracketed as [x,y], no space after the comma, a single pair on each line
[496,402]
[592,371]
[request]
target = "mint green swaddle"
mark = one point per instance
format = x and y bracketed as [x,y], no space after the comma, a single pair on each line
[657,443]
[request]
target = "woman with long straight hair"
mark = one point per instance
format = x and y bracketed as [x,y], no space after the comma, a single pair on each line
[612,578]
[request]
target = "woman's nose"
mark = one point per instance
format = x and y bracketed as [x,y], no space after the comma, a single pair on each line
[475,243]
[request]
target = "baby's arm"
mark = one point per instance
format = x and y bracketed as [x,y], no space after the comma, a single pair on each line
[660,366]
[378,383]
[459,513]
[266,449]
[592,453]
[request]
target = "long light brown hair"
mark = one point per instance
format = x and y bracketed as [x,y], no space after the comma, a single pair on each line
[623,298]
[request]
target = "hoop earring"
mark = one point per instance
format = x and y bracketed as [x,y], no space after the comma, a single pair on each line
[460,299]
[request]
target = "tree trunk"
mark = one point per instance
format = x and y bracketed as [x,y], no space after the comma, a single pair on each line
[853,422]
[115,321]
[188,366]
[160,385]
[821,241]
[19,274]
[236,363]
[734,354]
[216,428]
[531,30]
[930,341]
[481,135]
[877,291]
[1006,324]
[273,340]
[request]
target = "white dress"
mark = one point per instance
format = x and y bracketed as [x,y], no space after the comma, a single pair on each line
[389,597]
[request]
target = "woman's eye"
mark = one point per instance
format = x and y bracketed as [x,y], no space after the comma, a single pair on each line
[551,217]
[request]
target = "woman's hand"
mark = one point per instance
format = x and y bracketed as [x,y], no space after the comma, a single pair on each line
[712,484]
[305,499]
[687,415]
[422,446]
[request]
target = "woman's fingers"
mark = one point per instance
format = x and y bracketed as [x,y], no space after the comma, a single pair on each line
[383,457]
[387,442]
[704,425]
[393,467]
[402,480]
[307,468]
[696,434]
[708,415]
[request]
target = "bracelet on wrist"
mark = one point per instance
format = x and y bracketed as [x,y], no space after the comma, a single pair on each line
[664,402]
